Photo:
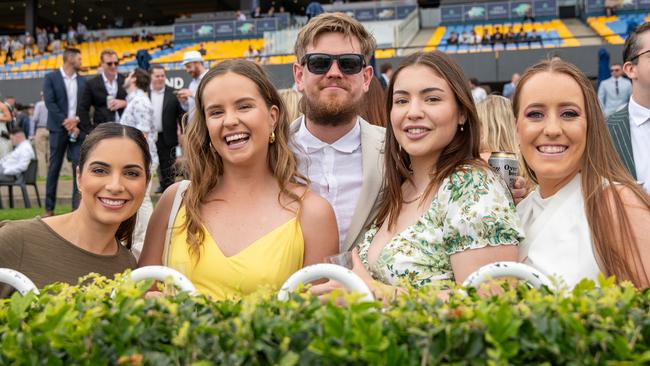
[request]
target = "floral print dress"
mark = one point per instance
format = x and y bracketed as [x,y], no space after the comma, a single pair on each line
[472,209]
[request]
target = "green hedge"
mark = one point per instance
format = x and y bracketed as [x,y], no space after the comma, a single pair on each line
[69,325]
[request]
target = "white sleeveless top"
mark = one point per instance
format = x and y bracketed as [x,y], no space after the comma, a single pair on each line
[558,239]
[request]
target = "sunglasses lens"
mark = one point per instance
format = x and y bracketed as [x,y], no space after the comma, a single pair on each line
[319,64]
[350,64]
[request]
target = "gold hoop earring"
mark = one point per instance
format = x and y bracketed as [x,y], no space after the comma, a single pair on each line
[272,138]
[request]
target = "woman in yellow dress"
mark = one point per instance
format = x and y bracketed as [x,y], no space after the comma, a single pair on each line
[247,219]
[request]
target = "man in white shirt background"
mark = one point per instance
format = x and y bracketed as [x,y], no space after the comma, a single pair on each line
[167,113]
[62,89]
[193,63]
[478,94]
[17,161]
[630,127]
[41,136]
[339,152]
[614,92]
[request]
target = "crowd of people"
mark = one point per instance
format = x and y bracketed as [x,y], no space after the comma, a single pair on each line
[47,39]
[499,36]
[269,190]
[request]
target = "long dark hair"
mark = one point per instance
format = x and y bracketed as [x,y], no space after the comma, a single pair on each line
[601,167]
[115,130]
[463,148]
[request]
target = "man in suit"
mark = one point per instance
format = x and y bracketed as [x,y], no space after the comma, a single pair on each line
[614,93]
[167,113]
[105,93]
[62,89]
[338,151]
[630,127]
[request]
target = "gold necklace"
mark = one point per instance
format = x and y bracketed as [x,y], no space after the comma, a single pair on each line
[416,197]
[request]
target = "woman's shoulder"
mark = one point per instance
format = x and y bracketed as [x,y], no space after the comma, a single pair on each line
[475,174]
[313,204]
[19,227]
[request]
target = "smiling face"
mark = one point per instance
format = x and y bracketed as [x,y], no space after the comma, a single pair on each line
[333,97]
[112,182]
[425,114]
[552,128]
[240,122]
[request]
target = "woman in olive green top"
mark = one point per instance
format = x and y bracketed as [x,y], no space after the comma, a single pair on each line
[113,174]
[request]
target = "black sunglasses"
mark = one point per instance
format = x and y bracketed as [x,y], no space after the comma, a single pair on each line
[112,63]
[320,63]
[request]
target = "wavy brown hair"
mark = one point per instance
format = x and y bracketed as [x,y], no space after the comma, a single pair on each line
[462,150]
[205,166]
[618,251]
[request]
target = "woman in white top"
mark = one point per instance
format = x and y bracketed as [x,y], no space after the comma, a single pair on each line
[588,215]
[139,114]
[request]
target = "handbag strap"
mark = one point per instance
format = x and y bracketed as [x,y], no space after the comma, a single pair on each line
[176,205]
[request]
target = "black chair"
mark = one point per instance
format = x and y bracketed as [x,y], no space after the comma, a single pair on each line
[23,180]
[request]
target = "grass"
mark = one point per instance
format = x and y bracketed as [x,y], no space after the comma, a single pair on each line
[61,178]
[28,213]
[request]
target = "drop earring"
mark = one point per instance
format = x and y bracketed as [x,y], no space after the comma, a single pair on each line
[272,138]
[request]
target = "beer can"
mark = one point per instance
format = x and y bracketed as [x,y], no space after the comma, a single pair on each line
[505,164]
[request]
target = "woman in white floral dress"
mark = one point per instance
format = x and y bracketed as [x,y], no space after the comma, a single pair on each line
[444,213]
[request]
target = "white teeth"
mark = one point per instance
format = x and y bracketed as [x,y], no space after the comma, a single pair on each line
[551,149]
[112,202]
[416,130]
[235,137]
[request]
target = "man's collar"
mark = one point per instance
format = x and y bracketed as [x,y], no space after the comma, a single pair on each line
[348,143]
[161,91]
[202,75]
[65,76]
[106,79]
[638,113]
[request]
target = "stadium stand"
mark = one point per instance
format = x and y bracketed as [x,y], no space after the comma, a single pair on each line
[90,51]
[553,33]
[615,28]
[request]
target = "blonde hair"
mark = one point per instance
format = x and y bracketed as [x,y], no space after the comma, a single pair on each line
[334,23]
[497,125]
[205,166]
[107,52]
[498,131]
[291,100]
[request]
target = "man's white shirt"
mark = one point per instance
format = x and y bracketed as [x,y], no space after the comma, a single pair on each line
[71,88]
[157,97]
[17,161]
[640,137]
[190,104]
[335,171]
[111,89]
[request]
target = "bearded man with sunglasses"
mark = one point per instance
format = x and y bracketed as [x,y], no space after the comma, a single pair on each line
[338,151]
[105,93]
